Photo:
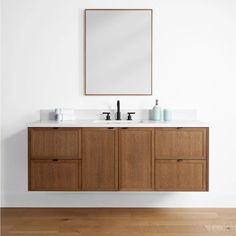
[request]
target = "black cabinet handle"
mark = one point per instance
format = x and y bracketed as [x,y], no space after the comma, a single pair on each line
[179,160]
[54,159]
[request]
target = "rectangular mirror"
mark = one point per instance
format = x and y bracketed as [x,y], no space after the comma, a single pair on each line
[118,51]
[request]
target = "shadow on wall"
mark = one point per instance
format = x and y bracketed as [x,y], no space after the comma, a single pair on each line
[94,199]
[14,164]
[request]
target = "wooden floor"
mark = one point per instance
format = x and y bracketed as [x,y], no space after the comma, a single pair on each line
[118,222]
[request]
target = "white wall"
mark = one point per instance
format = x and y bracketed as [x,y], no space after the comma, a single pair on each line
[0,97]
[194,67]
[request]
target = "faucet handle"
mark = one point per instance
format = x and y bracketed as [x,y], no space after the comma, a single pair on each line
[129,115]
[108,117]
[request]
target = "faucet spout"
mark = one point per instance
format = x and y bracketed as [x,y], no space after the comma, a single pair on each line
[118,113]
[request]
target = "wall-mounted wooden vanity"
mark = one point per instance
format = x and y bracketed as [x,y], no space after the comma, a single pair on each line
[118,158]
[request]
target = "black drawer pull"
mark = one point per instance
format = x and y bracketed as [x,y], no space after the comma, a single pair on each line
[54,159]
[179,128]
[55,127]
[179,160]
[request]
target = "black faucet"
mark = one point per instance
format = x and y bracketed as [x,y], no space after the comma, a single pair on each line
[118,113]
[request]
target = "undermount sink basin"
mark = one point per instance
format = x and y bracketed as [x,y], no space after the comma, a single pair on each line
[117,121]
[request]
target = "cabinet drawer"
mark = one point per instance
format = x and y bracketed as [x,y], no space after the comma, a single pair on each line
[184,143]
[50,143]
[180,175]
[55,175]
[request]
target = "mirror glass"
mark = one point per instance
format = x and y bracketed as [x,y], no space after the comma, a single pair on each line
[118,52]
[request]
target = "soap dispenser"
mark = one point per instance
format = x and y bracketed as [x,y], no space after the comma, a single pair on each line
[156,112]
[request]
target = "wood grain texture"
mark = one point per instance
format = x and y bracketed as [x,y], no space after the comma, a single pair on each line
[117,222]
[185,143]
[127,152]
[180,175]
[50,143]
[136,159]
[55,175]
[100,159]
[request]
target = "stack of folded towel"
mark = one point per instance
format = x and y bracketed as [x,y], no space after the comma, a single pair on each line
[64,114]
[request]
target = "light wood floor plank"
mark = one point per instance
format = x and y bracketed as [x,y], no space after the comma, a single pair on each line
[117,222]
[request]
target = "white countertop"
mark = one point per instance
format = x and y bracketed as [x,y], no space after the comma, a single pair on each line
[103,123]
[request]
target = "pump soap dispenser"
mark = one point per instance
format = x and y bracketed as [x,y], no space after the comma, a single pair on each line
[156,112]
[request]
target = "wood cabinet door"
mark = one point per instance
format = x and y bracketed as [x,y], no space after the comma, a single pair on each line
[99,159]
[180,175]
[55,175]
[51,143]
[136,156]
[184,143]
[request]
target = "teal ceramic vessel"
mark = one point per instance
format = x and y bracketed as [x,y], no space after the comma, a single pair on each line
[156,112]
[167,115]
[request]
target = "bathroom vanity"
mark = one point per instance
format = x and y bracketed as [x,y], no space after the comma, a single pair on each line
[103,156]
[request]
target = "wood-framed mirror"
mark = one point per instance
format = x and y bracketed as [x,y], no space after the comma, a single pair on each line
[118,51]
